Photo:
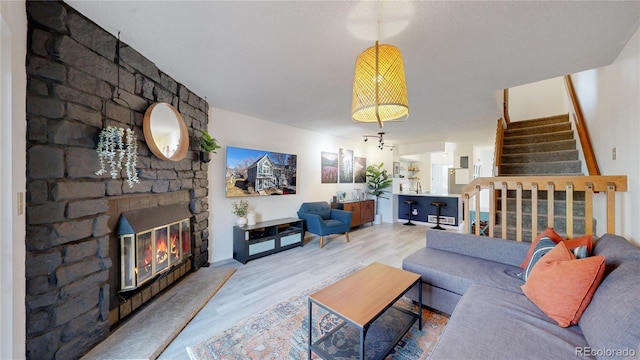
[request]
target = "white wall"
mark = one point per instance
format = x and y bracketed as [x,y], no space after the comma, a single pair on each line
[609,100]
[13,34]
[539,99]
[233,129]
[484,156]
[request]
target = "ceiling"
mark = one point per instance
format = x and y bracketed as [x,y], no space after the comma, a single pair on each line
[292,62]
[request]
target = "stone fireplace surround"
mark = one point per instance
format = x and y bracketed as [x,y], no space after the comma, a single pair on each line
[71,71]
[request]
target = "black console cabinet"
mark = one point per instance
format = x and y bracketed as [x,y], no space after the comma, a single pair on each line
[266,238]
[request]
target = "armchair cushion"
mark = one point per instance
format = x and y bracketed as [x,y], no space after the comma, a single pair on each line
[320,219]
[320,208]
[325,214]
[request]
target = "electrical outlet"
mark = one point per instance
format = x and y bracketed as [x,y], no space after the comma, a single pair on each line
[614,154]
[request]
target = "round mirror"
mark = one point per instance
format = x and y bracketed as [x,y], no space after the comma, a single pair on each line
[165,132]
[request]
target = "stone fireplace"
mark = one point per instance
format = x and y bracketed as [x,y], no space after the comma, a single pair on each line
[73,261]
[130,284]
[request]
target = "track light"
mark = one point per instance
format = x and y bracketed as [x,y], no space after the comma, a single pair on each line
[380,136]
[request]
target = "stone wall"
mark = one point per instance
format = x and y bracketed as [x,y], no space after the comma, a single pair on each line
[71,74]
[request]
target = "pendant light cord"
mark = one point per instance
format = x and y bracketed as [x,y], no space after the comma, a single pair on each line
[380,17]
[377,79]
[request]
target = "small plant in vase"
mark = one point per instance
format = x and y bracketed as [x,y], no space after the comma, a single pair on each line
[208,145]
[377,182]
[240,209]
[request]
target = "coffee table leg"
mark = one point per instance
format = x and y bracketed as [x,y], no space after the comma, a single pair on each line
[310,324]
[363,334]
[420,304]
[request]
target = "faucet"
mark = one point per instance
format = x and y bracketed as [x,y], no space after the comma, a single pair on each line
[418,187]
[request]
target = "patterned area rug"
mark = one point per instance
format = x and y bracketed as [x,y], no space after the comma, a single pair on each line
[281,332]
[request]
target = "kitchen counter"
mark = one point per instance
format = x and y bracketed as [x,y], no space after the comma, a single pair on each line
[425,212]
[413,193]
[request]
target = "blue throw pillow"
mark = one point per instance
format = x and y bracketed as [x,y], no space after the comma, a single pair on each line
[580,252]
[544,246]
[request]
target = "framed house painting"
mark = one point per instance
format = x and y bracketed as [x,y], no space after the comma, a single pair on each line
[253,172]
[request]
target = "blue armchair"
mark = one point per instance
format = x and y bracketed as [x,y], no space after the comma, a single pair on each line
[321,219]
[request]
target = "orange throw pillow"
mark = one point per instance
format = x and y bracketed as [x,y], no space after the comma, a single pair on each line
[562,286]
[548,232]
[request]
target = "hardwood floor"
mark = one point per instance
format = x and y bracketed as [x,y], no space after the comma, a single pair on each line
[264,282]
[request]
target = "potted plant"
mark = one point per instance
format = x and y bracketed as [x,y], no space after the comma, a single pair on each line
[378,181]
[208,145]
[240,209]
[116,145]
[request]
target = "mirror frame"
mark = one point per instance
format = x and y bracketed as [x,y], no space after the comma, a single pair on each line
[183,146]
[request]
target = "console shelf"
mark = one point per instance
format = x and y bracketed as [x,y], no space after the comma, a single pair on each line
[266,238]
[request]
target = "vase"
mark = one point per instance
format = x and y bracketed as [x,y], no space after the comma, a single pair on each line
[251,218]
[241,221]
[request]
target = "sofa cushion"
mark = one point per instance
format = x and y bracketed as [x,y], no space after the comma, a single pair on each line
[456,272]
[483,247]
[612,319]
[544,246]
[615,250]
[562,286]
[491,323]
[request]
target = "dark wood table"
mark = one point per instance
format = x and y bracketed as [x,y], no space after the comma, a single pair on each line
[361,298]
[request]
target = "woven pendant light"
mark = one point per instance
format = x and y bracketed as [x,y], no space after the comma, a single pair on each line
[379,87]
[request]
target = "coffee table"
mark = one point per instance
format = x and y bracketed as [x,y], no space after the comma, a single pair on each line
[364,301]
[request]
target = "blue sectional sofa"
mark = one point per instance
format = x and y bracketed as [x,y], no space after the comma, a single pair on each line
[474,279]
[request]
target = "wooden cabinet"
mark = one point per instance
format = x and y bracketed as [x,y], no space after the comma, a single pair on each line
[354,207]
[367,211]
[266,238]
[363,210]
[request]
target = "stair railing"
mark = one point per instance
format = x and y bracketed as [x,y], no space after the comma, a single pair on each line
[498,148]
[581,127]
[592,185]
[505,106]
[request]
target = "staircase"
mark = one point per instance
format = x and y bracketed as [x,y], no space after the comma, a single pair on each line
[541,147]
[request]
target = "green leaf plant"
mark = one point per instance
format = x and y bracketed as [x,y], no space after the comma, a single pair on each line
[378,181]
[207,143]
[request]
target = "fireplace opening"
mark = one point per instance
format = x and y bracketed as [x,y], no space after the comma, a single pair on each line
[152,242]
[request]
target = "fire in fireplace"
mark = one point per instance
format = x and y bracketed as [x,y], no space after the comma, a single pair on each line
[152,241]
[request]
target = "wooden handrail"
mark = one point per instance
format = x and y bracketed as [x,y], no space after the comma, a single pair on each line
[591,185]
[505,106]
[499,143]
[581,127]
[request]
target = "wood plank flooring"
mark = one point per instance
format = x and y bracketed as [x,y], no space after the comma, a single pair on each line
[264,282]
